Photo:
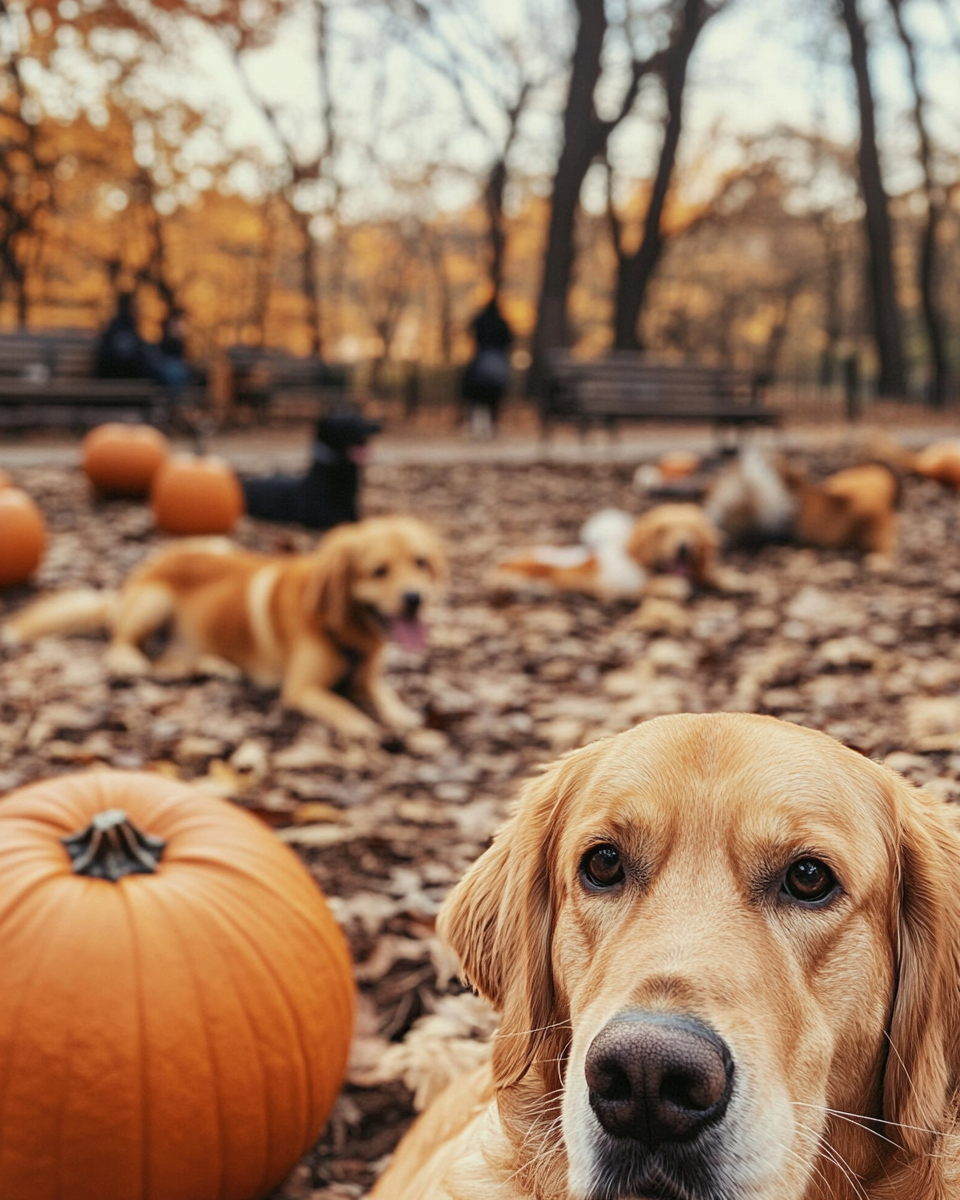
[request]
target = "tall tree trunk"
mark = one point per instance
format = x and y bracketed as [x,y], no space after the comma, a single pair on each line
[493,199]
[882,282]
[580,130]
[495,189]
[309,278]
[926,258]
[832,283]
[634,271]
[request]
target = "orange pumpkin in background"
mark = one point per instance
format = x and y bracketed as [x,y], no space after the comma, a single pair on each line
[23,537]
[121,460]
[196,495]
[678,464]
[177,1000]
[6,480]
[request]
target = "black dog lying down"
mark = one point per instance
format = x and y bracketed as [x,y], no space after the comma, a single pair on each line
[327,494]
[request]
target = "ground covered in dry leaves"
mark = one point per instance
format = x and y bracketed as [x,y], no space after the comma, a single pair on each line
[818,638]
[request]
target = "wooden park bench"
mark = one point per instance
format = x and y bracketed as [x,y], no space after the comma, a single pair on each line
[624,386]
[48,379]
[259,377]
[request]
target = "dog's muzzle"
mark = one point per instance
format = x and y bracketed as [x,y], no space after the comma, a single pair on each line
[659,1085]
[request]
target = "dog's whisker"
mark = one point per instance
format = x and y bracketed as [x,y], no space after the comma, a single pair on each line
[536,1029]
[865,1122]
[833,1155]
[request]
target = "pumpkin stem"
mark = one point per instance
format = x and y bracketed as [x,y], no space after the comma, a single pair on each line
[112,847]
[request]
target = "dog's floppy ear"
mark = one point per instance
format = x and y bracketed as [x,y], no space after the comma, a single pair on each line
[923,1058]
[638,544]
[499,919]
[706,545]
[437,557]
[329,590]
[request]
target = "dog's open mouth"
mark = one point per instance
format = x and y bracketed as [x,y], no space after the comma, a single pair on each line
[409,633]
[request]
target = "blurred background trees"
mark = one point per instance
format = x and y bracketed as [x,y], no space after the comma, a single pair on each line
[709,180]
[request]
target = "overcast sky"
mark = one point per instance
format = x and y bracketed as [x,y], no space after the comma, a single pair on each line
[759,63]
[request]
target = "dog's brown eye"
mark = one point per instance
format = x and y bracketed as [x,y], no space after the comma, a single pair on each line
[381,571]
[422,564]
[602,867]
[809,879]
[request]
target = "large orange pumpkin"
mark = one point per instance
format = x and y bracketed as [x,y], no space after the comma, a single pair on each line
[176,1002]
[121,460]
[23,537]
[196,495]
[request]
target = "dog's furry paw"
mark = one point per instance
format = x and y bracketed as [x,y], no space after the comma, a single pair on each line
[880,564]
[123,661]
[9,637]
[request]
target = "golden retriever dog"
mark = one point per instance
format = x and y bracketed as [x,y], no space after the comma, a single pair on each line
[726,954]
[617,553]
[308,623]
[759,499]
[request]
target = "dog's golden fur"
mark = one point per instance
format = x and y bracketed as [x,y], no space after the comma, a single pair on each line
[854,509]
[760,497]
[676,538]
[306,622]
[842,1018]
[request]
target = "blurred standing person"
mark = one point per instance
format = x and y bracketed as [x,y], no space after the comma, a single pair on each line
[488,372]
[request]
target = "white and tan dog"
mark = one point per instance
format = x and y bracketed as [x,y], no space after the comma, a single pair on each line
[618,553]
[760,498]
[307,623]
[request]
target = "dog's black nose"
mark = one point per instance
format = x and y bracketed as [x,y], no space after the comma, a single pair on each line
[683,552]
[658,1078]
[411,603]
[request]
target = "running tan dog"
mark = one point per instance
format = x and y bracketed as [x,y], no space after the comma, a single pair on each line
[759,498]
[617,553]
[726,951]
[307,623]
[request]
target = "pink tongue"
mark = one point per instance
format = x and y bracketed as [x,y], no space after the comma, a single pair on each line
[409,635]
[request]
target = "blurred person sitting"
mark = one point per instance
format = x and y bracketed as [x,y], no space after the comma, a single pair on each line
[123,353]
[327,494]
[488,373]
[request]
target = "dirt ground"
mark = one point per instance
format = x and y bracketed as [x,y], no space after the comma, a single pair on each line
[814,637]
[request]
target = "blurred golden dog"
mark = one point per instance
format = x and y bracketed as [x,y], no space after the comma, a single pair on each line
[307,623]
[759,499]
[940,461]
[726,951]
[618,553]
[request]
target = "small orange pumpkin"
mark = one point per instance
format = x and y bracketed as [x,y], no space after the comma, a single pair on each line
[678,464]
[121,460]
[6,480]
[177,1000]
[196,495]
[23,536]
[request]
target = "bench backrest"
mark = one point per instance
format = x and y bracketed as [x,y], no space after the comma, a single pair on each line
[279,369]
[624,381]
[65,354]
